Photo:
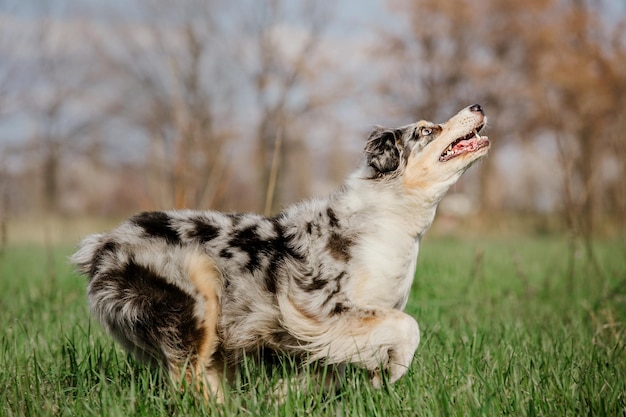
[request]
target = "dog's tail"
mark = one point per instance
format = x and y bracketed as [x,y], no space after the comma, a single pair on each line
[86,257]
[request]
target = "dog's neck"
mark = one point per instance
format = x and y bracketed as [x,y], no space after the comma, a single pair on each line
[413,209]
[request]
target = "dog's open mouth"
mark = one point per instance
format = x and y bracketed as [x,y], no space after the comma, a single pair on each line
[466,144]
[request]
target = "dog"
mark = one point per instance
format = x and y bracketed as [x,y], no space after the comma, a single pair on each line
[325,281]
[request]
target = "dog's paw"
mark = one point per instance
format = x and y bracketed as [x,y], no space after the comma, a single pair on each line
[397,360]
[376,378]
[391,370]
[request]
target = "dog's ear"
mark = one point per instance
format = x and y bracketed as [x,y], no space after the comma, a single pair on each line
[382,151]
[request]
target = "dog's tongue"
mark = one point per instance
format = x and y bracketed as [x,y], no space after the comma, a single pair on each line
[467,144]
[470,144]
[462,146]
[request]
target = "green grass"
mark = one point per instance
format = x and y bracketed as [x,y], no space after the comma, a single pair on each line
[505,331]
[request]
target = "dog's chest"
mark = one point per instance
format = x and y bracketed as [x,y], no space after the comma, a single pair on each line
[385,274]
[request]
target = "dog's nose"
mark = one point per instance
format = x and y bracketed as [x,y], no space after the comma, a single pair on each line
[477,108]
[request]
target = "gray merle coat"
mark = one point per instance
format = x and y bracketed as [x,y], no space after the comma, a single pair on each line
[325,280]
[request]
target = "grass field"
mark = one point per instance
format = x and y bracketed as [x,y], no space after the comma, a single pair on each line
[506,330]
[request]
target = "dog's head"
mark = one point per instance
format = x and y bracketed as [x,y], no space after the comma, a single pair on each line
[427,155]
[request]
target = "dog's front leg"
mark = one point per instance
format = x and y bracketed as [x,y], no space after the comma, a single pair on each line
[391,340]
[405,338]
[378,339]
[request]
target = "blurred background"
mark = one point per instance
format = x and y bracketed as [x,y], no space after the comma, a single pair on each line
[109,107]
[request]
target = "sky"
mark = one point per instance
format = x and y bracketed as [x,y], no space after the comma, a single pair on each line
[353,14]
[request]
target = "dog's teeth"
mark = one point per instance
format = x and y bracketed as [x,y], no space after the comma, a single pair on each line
[476,134]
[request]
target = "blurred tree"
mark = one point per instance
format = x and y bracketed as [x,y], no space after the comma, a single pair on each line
[578,66]
[9,74]
[54,106]
[165,70]
[47,86]
[287,89]
[187,81]
[454,55]
[540,67]
[7,102]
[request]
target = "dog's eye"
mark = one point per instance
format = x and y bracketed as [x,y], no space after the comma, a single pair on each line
[426,131]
